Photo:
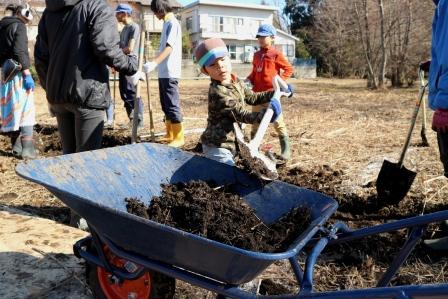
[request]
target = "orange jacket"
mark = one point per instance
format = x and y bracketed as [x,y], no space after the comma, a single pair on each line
[267,63]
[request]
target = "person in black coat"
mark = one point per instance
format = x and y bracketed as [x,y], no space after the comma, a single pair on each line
[17,85]
[76,41]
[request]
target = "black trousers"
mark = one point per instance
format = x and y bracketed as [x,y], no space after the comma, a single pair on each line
[80,129]
[442,140]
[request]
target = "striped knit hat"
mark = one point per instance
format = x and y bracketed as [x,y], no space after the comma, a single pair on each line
[210,49]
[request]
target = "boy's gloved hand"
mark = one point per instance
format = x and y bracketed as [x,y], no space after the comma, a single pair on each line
[290,90]
[276,106]
[248,83]
[149,67]
[139,75]
[440,121]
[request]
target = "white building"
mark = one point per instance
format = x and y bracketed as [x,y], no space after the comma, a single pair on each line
[236,24]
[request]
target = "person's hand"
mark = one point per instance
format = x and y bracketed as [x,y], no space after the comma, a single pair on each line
[276,106]
[247,83]
[288,93]
[126,50]
[28,83]
[149,66]
[440,121]
[139,75]
[425,65]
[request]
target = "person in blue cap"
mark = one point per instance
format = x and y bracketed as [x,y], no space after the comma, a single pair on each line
[438,94]
[269,62]
[129,43]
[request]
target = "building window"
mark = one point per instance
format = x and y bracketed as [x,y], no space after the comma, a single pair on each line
[218,24]
[189,24]
[230,25]
[232,51]
[290,51]
[240,21]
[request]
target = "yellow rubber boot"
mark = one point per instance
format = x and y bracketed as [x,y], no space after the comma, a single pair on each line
[169,132]
[178,135]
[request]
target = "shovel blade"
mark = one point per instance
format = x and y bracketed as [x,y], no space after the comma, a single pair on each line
[393,182]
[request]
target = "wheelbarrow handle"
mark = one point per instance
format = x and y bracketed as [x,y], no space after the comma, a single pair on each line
[264,124]
[279,84]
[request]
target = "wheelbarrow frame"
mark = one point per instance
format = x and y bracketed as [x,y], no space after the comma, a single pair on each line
[137,171]
[217,267]
[335,234]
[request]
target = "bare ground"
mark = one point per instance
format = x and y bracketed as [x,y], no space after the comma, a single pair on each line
[341,132]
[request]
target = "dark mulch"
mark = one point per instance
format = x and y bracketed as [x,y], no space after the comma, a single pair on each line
[218,214]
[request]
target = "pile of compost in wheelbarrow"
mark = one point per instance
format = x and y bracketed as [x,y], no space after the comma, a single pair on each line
[217,214]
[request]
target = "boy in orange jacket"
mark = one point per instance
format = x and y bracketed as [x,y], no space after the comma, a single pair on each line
[267,63]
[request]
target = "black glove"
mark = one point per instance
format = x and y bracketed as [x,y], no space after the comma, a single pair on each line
[425,65]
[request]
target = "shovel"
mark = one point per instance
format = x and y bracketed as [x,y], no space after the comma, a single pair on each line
[111,109]
[141,50]
[395,180]
[261,165]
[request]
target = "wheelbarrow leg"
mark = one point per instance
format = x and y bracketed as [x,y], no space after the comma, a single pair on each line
[415,236]
[296,269]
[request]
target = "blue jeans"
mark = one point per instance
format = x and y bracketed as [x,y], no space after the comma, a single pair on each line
[218,154]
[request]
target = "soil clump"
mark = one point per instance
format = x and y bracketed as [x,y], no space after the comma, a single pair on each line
[217,214]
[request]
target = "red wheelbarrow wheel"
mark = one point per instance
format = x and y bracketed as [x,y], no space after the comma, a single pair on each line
[151,284]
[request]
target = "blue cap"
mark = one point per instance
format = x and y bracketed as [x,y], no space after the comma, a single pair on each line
[123,7]
[266,30]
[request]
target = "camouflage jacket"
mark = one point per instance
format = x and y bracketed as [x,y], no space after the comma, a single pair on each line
[227,104]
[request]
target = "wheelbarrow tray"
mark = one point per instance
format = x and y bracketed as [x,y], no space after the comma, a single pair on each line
[95,184]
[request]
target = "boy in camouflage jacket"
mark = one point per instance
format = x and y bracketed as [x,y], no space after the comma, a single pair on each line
[228,98]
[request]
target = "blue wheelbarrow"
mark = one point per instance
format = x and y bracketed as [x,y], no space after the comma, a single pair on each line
[131,257]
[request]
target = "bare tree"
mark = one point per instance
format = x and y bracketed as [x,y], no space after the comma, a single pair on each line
[382,71]
[378,39]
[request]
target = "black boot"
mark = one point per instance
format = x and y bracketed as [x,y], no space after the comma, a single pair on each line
[28,149]
[440,243]
[437,244]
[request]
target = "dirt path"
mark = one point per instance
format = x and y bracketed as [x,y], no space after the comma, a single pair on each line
[36,261]
[340,135]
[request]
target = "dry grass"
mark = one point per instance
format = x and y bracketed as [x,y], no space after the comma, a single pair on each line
[331,122]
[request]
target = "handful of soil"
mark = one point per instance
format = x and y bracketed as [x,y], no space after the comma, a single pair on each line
[217,214]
